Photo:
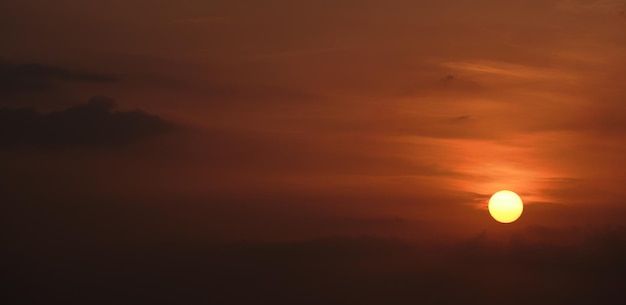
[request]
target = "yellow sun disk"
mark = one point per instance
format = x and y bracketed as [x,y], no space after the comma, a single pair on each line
[505,206]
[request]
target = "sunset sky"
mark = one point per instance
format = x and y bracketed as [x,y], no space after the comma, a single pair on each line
[135,127]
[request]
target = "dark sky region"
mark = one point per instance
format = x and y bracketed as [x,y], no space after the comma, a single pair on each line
[312,152]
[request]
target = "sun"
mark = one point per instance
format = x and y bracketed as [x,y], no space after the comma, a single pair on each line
[505,206]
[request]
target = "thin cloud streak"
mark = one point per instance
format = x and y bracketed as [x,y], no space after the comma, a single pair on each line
[303,52]
[203,20]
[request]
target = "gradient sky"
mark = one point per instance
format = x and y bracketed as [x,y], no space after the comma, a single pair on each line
[401,108]
[289,120]
[429,108]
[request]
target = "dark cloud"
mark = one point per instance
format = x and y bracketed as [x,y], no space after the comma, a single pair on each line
[94,124]
[17,78]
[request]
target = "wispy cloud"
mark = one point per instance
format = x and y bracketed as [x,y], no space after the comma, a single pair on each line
[503,69]
[35,77]
[602,6]
[202,20]
[304,52]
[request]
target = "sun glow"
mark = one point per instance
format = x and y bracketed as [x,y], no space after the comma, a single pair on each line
[505,206]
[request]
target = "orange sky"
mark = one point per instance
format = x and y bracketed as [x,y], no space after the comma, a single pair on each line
[348,111]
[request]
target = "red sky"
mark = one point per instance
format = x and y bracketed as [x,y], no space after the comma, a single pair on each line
[312,151]
[369,110]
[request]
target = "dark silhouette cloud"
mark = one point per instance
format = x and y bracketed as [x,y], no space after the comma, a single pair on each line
[34,77]
[94,124]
